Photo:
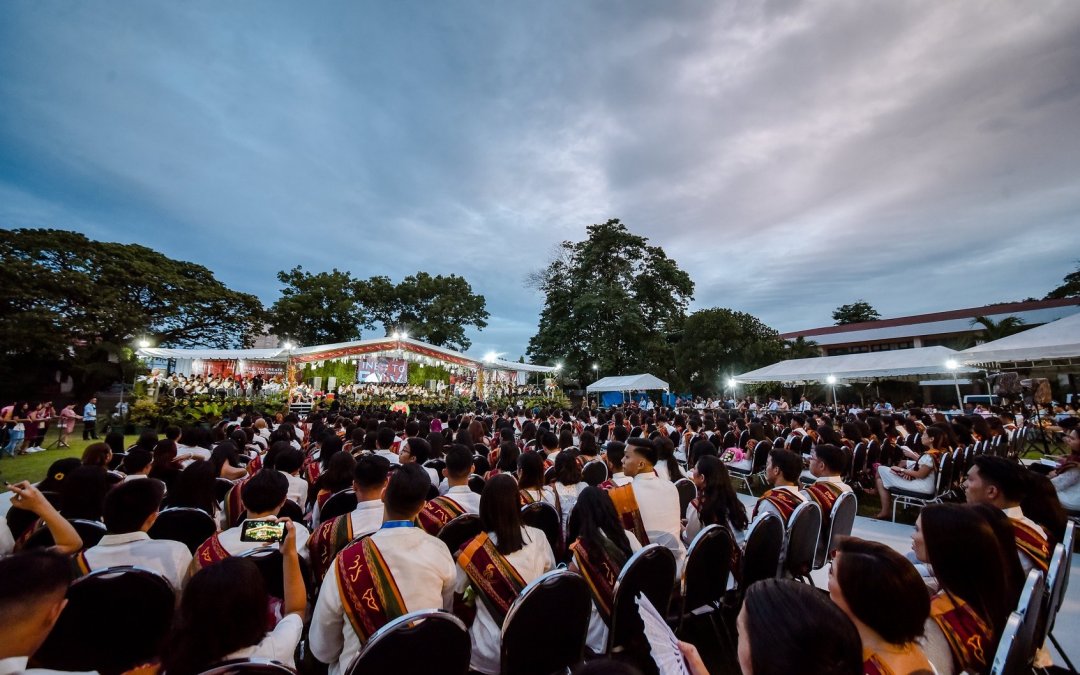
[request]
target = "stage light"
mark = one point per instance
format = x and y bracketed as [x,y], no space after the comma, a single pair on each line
[831,379]
[394,335]
[144,343]
[952,364]
[287,345]
[558,366]
[490,357]
[595,367]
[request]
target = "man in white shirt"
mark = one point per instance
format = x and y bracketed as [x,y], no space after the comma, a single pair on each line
[550,443]
[33,586]
[998,482]
[369,481]
[614,451]
[288,464]
[136,464]
[418,450]
[782,470]
[458,498]
[130,510]
[657,500]
[419,565]
[384,441]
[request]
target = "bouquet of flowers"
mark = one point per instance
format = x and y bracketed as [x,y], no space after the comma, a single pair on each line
[732,455]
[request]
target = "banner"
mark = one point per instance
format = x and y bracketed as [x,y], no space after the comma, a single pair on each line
[379,369]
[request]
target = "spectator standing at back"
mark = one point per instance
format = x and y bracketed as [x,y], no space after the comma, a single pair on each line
[89,417]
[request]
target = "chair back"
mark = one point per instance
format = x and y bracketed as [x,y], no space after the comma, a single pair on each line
[338,504]
[687,493]
[761,457]
[459,531]
[100,603]
[858,463]
[558,593]
[873,454]
[650,571]
[189,526]
[476,483]
[268,560]
[292,511]
[549,475]
[1055,583]
[764,544]
[729,440]
[221,488]
[545,518]
[945,473]
[594,472]
[841,520]
[1016,650]
[706,569]
[807,444]
[744,438]
[90,531]
[428,641]
[250,667]
[804,530]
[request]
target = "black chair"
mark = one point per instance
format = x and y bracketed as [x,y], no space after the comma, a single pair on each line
[268,559]
[338,504]
[90,531]
[943,484]
[428,641]
[729,440]
[545,518]
[85,636]
[744,438]
[558,593]
[757,465]
[459,531]
[764,545]
[1016,649]
[650,571]
[549,475]
[594,472]
[117,460]
[706,569]
[437,464]
[687,493]
[1057,582]
[807,444]
[187,525]
[841,520]
[801,540]
[292,511]
[221,488]
[857,465]
[250,667]
[476,483]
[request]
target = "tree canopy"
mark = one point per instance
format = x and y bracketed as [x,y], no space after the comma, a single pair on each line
[1069,288]
[856,312]
[718,343]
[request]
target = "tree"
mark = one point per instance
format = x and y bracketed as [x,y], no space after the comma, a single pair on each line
[856,312]
[992,330]
[801,348]
[433,309]
[321,308]
[612,300]
[1069,288]
[718,343]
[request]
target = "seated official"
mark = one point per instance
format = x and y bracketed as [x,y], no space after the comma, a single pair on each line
[223,614]
[826,463]
[263,496]
[917,475]
[130,510]
[369,481]
[459,498]
[716,502]
[1000,483]
[648,506]
[498,564]
[782,470]
[289,464]
[399,557]
[33,590]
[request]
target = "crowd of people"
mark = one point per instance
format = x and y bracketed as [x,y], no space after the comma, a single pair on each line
[611,476]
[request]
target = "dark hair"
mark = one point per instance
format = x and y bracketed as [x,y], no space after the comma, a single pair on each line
[645,448]
[831,456]
[1003,474]
[337,476]
[700,448]
[794,628]
[614,450]
[330,446]
[596,519]
[384,437]
[265,491]
[136,460]
[789,463]
[508,457]
[289,460]
[97,454]
[276,448]
[223,609]
[407,490]
[58,470]
[587,444]
[459,461]
[1041,504]
[194,487]
[115,441]
[568,468]
[224,453]
[419,448]
[371,471]
[1002,526]
[83,492]
[500,512]
[665,452]
[128,505]
[719,503]
[30,577]
[147,440]
[531,470]
[549,440]
[883,589]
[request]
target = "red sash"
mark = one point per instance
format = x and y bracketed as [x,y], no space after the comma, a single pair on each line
[967,634]
[312,469]
[438,512]
[824,495]
[368,591]
[496,581]
[1032,543]
[255,464]
[209,552]
[784,501]
[600,567]
[325,542]
[234,504]
[872,665]
[627,507]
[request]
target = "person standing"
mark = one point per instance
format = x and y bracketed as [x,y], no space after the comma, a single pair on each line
[67,423]
[90,420]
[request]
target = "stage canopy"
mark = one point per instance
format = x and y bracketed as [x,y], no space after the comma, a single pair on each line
[641,382]
[865,366]
[1055,340]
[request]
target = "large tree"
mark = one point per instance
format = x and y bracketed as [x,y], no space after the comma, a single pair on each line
[718,343]
[856,312]
[320,308]
[612,300]
[1069,288]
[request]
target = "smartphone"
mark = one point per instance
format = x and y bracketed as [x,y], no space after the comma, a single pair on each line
[261,531]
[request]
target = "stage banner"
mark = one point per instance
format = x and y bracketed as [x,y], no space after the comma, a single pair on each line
[264,368]
[379,370]
[213,367]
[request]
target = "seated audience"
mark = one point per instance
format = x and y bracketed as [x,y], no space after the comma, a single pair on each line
[369,481]
[782,470]
[917,475]
[28,498]
[459,498]
[568,483]
[648,506]
[716,502]
[33,590]
[288,464]
[1000,483]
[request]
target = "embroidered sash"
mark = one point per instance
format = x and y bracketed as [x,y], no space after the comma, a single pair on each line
[967,634]
[873,665]
[368,591]
[209,552]
[325,542]
[627,507]
[600,566]
[234,504]
[784,501]
[496,581]
[438,512]
[527,497]
[824,495]
[1032,543]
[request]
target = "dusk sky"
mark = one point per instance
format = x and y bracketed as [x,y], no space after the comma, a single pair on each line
[791,157]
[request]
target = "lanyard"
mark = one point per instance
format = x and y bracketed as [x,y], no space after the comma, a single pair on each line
[390,524]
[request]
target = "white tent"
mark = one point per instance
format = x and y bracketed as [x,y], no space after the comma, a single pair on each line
[1055,340]
[868,365]
[641,382]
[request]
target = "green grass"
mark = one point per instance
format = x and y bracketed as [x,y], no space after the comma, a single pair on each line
[33,467]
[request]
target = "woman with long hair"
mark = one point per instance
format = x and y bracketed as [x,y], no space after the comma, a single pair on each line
[195,488]
[968,612]
[226,461]
[667,467]
[97,454]
[507,461]
[917,475]
[498,563]
[600,551]
[530,478]
[716,502]
[568,483]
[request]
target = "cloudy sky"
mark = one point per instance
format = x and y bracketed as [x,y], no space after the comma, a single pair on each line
[792,157]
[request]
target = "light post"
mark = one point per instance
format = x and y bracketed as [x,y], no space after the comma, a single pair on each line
[596,376]
[831,379]
[952,365]
[731,383]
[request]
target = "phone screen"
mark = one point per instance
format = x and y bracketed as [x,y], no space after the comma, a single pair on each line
[262,531]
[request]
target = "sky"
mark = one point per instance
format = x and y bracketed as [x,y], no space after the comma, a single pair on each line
[791,157]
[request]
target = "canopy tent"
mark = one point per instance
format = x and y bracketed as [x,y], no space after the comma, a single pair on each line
[227,354]
[868,365]
[641,382]
[1055,340]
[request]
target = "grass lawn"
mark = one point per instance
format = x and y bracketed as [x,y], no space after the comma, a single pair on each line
[33,467]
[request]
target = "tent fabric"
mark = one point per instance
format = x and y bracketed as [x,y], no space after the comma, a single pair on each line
[640,382]
[215,354]
[1055,340]
[893,363]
